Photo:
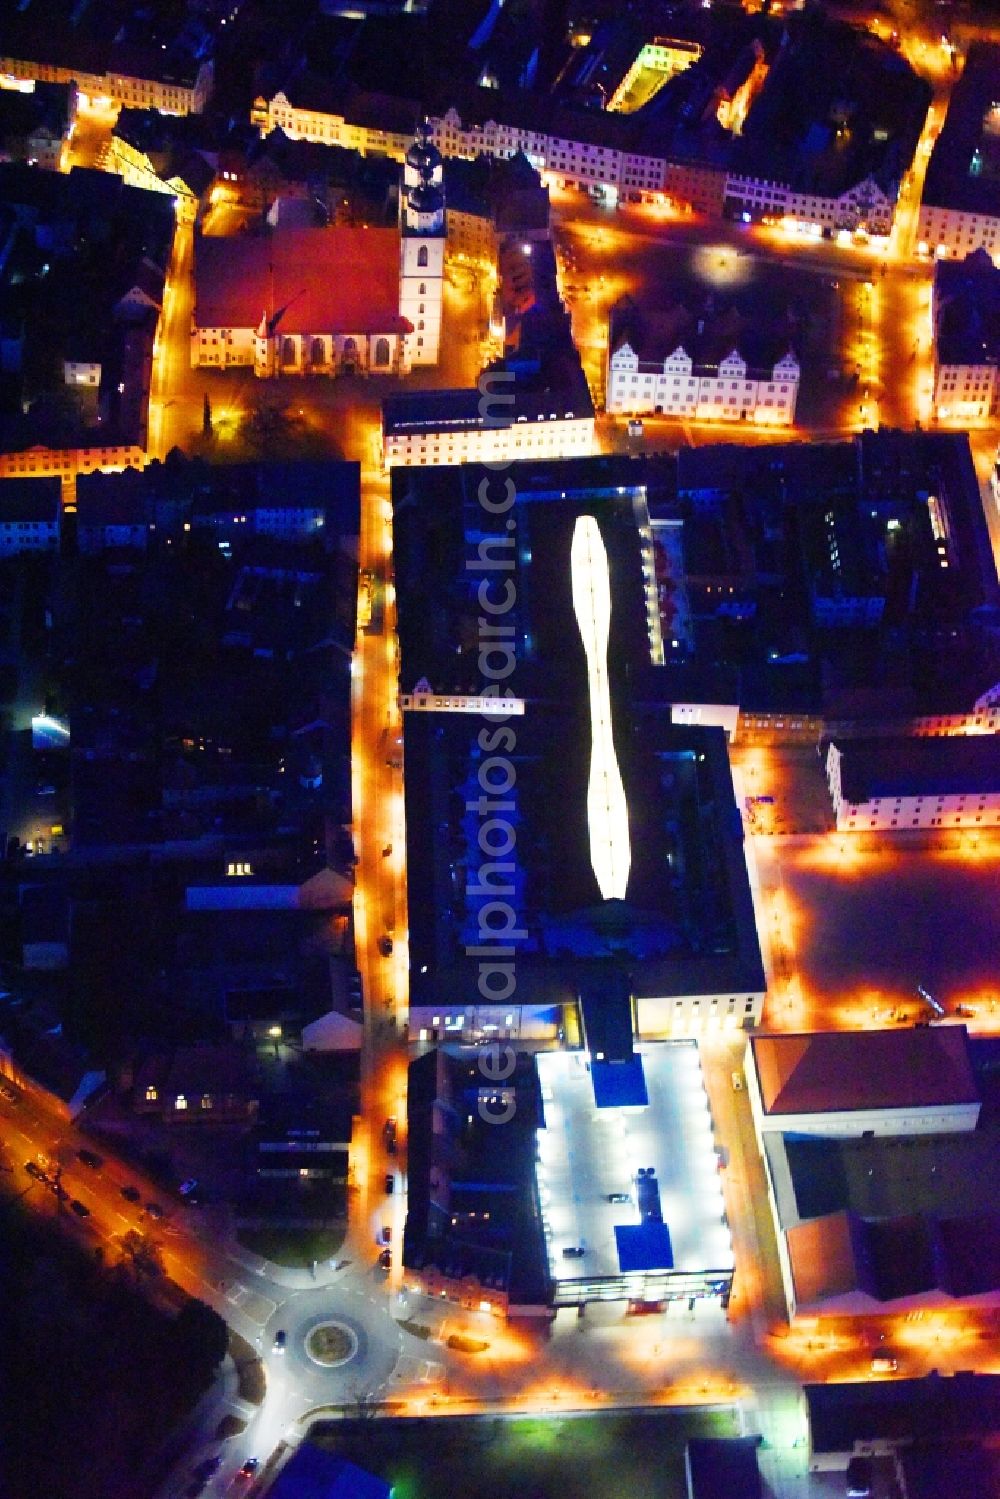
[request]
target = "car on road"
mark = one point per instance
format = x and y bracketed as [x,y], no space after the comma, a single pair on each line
[154,1210]
[389,1134]
[390,1182]
[33,1169]
[249,1468]
[90,1158]
[574,1252]
[884,1363]
[385,1259]
[131,1194]
[60,1191]
[79,1208]
[280,1339]
[385,1237]
[385,946]
[619,1197]
[7,1092]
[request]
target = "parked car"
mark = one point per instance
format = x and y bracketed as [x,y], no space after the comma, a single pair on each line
[619,1197]
[574,1252]
[33,1169]
[385,946]
[90,1158]
[884,1363]
[131,1194]
[390,1182]
[154,1210]
[389,1134]
[249,1468]
[79,1208]
[7,1092]
[859,1478]
[280,1338]
[385,1237]
[385,1259]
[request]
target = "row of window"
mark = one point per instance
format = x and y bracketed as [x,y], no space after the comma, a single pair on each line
[933,822]
[749,1004]
[734,384]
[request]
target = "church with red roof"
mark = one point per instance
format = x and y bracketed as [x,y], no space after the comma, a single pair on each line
[341,299]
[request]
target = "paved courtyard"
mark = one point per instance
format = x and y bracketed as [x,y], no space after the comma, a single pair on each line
[855,925]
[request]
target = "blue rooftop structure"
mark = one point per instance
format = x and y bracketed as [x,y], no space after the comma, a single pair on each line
[722,1468]
[643,1246]
[315,1474]
[619,1085]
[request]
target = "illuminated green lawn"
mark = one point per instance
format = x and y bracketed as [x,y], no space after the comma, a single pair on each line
[591,1457]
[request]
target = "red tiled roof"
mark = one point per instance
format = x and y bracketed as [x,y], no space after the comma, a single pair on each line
[337,280]
[854,1070]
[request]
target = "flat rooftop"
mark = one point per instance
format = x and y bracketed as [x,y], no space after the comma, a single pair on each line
[587,1153]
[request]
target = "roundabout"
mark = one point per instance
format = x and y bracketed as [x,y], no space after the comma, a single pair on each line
[340,1344]
[331,1344]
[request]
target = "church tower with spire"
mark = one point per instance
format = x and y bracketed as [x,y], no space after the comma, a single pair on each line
[422,237]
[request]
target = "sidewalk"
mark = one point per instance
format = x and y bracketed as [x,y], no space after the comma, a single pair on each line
[199,1427]
[291,1277]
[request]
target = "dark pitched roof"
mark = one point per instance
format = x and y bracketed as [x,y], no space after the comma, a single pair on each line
[967,309]
[950,181]
[723,1468]
[29,500]
[708,330]
[954,766]
[960,1405]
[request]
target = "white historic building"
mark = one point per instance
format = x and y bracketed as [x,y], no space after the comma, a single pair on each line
[599,157]
[448,428]
[883,784]
[132,88]
[672,383]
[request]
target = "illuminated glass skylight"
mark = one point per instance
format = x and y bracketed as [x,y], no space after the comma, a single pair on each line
[607,809]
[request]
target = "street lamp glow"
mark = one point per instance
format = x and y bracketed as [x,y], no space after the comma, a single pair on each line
[607,809]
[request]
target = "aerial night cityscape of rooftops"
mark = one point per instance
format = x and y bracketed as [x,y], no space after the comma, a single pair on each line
[500,749]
